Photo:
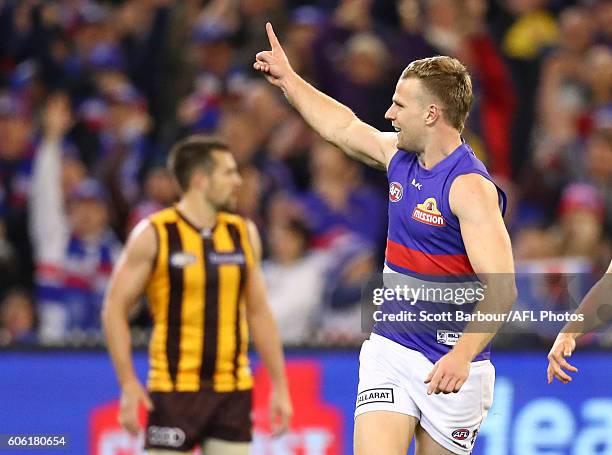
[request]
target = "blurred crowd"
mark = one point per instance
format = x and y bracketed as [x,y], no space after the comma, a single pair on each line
[94,93]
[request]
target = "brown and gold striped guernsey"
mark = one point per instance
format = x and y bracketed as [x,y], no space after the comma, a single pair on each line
[196,296]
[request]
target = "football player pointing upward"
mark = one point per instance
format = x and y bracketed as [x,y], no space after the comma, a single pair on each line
[444,221]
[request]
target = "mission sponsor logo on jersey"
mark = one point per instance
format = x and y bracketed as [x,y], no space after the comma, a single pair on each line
[382,395]
[428,213]
[396,191]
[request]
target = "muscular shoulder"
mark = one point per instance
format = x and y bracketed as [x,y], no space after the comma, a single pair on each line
[142,242]
[472,193]
[254,240]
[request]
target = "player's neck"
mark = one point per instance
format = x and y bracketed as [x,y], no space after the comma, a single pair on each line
[199,212]
[439,147]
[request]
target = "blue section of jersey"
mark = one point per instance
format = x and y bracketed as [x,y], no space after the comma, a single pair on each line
[425,244]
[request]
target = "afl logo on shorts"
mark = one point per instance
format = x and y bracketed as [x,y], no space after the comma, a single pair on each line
[396,191]
[461,434]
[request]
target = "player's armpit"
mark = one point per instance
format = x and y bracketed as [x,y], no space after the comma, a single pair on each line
[366,144]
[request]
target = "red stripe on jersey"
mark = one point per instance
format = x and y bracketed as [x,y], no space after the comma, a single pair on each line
[427,264]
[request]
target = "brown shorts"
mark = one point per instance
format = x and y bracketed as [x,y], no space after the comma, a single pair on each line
[181,420]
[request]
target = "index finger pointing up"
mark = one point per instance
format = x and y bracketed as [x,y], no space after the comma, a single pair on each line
[272,37]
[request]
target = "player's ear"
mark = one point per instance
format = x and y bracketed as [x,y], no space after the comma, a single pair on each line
[432,114]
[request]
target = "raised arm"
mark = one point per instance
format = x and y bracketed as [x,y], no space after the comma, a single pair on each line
[49,228]
[595,312]
[124,291]
[334,121]
[266,338]
[473,199]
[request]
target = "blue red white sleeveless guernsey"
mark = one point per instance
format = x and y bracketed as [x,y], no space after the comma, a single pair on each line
[426,251]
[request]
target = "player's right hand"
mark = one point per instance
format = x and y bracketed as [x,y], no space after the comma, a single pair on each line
[563,347]
[281,410]
[273,63]
[132,395]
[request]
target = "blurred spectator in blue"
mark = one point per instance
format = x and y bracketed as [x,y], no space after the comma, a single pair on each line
[564,90]
[363,79]
[9,271]
[159,192]
[598,166]
[142,28]
[279,135]
[16,153]
[299,38]
[250,196]
[353,261]
[407,43]
[125,150]
[295,278]
[74,247]
[252,16]
[580,230]
[218,82]
[602,11]
[259,119]
[352,64]
[339,201]
[575,107]
[578,233]
[17,318]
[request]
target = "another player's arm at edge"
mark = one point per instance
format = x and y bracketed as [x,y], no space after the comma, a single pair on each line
[474,200]
[266,337]
[335,122]
[565,343]
[126,286]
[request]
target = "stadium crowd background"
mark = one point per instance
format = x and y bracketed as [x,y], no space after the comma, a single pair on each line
[93,94]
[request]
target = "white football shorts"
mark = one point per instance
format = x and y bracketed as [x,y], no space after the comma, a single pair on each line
[391,379]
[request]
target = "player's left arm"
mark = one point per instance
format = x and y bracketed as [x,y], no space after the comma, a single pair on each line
[266,337]
[474,200]
[594,314]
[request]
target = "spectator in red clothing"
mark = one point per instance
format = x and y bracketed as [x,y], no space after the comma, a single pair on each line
[461,31]
[494,108]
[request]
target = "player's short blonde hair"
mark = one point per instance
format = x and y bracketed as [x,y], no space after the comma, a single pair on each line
[447,79]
